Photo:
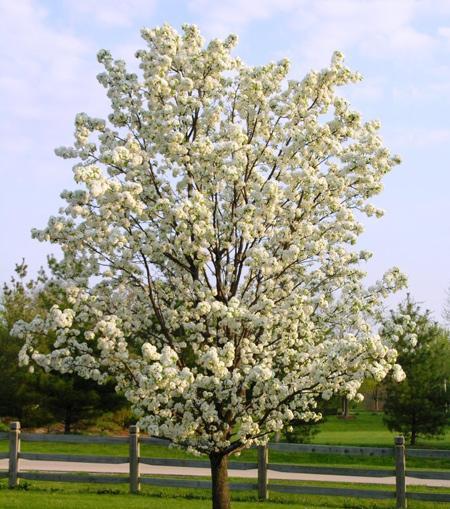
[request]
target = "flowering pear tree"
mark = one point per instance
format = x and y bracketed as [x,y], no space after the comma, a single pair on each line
[209,255]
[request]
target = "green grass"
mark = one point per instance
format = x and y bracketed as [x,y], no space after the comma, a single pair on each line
[46,495]
[367,429]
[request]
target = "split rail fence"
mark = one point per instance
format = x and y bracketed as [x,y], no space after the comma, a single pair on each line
[135,479]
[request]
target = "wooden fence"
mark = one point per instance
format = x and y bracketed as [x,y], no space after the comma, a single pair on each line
[135,479]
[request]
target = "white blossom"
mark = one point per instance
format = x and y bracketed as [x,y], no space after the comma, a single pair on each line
[397,373]
[209,254]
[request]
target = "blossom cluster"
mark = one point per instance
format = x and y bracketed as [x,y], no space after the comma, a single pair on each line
[209,253]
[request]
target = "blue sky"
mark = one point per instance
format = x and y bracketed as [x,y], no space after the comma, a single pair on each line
[402,47]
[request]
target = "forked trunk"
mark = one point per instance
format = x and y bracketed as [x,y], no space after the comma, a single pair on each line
[219,477]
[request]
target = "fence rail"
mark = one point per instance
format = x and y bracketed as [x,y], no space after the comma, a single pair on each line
[69,477]
[333,449]
[78,458]
[323,490]
[73,439]
[347,471]
[134,478]
[428,453]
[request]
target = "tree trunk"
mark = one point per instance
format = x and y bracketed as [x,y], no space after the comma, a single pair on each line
[345,408]
[413,429]
[376,398]
[219,476]
[68,421]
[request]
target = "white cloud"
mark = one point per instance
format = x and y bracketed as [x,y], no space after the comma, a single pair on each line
[48,75]
[111,13]
[444,32]
[36,57]
[420,138]
[219,18]
[376,28]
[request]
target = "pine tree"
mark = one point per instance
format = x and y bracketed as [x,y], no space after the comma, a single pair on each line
[418,406]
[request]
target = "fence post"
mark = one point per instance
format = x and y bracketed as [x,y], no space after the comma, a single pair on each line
[14,450]
[400,481]
[263,456]
[135,485]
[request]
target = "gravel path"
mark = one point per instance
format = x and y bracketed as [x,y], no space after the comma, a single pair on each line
[122,468]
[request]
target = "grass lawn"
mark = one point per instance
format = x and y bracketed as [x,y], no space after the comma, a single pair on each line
[367,428]
[46,495]
[32,500]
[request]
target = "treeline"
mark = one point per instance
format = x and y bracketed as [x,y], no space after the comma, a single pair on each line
[416,407]
[36,397]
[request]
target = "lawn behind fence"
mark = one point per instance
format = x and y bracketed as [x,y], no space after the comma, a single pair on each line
[46,495]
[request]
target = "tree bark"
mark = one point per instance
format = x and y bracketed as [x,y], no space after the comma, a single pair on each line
[413,429]
[68,421]
[219,476]
[345,408]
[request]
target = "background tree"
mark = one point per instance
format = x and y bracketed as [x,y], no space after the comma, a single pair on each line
[214,229]
[18,395]
[418,407]
[19,398]
[73,400]
[38,397]
[373,392]
[302,432]
[446,311]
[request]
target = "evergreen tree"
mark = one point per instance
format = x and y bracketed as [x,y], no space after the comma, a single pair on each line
[418,406]
[38,397]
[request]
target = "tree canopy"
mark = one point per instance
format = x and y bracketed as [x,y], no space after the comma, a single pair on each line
[215,229]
